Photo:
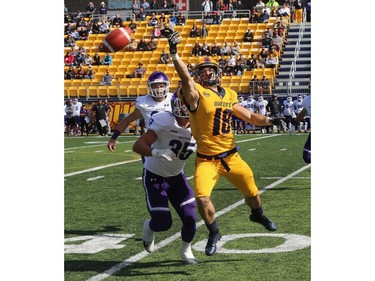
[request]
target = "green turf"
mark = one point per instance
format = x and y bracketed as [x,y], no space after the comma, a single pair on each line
[111,201]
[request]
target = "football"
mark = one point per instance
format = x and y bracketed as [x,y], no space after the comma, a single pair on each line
[116,40]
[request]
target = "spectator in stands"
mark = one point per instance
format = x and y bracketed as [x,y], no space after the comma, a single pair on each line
[117,21]
[235,49]
[207,6]
[135,6]
[103,9]
[208,18]
[95,28]
[165,58]
[190,69]
[78,60]
[255,86]
[80,74]
[222,62]
[142,45]
[251,63]
[259,7]
[217,17]
[132,25]
[215,50]
[203,31]
[141,15]
[104,27]
[206,51]
[153,20]
[239,68]
[272,4]
[69,59]
[166,31]
[266,89]
[248,36]
[225,49]
[180,19]
[197,50]
[90,73]
[68,28]
[145,5]
[280,27]
[152,45]
[107,60]
[69,41]
[266,41]
[107,79]
[162,19]
[254,17]
[140,71]
[284,11]
[96,59]
[90,9]
[132,46]
[308,11]
[194,31]
[156,33]
[298,9]
[271,61]
[264,17]
[70,73]
[263,54]
[83,33]
[154,5]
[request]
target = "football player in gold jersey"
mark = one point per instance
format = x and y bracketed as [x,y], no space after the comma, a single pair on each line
[211,108]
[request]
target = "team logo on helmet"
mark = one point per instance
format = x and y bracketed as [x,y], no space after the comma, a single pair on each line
[179,108]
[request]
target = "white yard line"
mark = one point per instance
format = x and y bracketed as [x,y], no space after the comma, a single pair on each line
[141,255]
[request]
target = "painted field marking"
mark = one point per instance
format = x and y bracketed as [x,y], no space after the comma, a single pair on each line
[95,178]
[128,262]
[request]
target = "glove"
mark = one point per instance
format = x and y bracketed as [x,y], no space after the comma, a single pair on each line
[278,121]
[163,153]
[173,40]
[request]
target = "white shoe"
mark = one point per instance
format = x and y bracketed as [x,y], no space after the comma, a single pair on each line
[186,253]
[148,237]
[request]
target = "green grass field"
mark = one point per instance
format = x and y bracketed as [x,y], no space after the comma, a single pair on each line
[105,210]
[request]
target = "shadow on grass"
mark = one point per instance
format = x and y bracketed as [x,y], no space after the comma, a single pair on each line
[108,228]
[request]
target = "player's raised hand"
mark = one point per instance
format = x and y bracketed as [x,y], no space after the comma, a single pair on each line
[173,40]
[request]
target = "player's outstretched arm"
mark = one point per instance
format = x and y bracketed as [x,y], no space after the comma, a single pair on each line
[189,90]
[121,127]
[255,118]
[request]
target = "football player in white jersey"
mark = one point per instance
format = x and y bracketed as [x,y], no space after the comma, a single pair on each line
[76,113]
[305,111]
[297,109]
[158,99]
[250,105]
[261,109]
[288,112]
[169,141]
[239,124]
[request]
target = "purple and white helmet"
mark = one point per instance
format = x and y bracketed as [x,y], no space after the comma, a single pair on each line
[179,109]
[158,77]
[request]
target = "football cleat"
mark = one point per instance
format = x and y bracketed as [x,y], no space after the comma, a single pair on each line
[211,243]
[186,253]
[148,237]
[263,220]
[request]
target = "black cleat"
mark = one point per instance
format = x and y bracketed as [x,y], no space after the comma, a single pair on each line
[263,220]
[211,243]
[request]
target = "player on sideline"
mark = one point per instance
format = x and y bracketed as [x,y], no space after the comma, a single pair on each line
[169,140]
[158,99]
[306,110]
[211,108]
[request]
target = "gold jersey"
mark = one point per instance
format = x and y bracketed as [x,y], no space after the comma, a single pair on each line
[211,122]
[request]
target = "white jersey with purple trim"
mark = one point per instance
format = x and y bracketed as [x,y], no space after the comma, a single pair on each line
[77,108]
[250,105]
[261,105]
[306,104]
[172,136]
[288,108]
[148,106]
[297,106]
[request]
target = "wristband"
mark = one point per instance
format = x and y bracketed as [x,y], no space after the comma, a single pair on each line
[115,135]
[175,57]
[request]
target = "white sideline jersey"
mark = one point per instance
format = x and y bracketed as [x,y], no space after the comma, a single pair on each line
[172,136]
[261,105]
[77,108]
[148,106]
[288,108]
[306,104]
[297,106]
[251,104]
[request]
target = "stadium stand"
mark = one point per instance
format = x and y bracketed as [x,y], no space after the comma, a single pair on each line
[124,62]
